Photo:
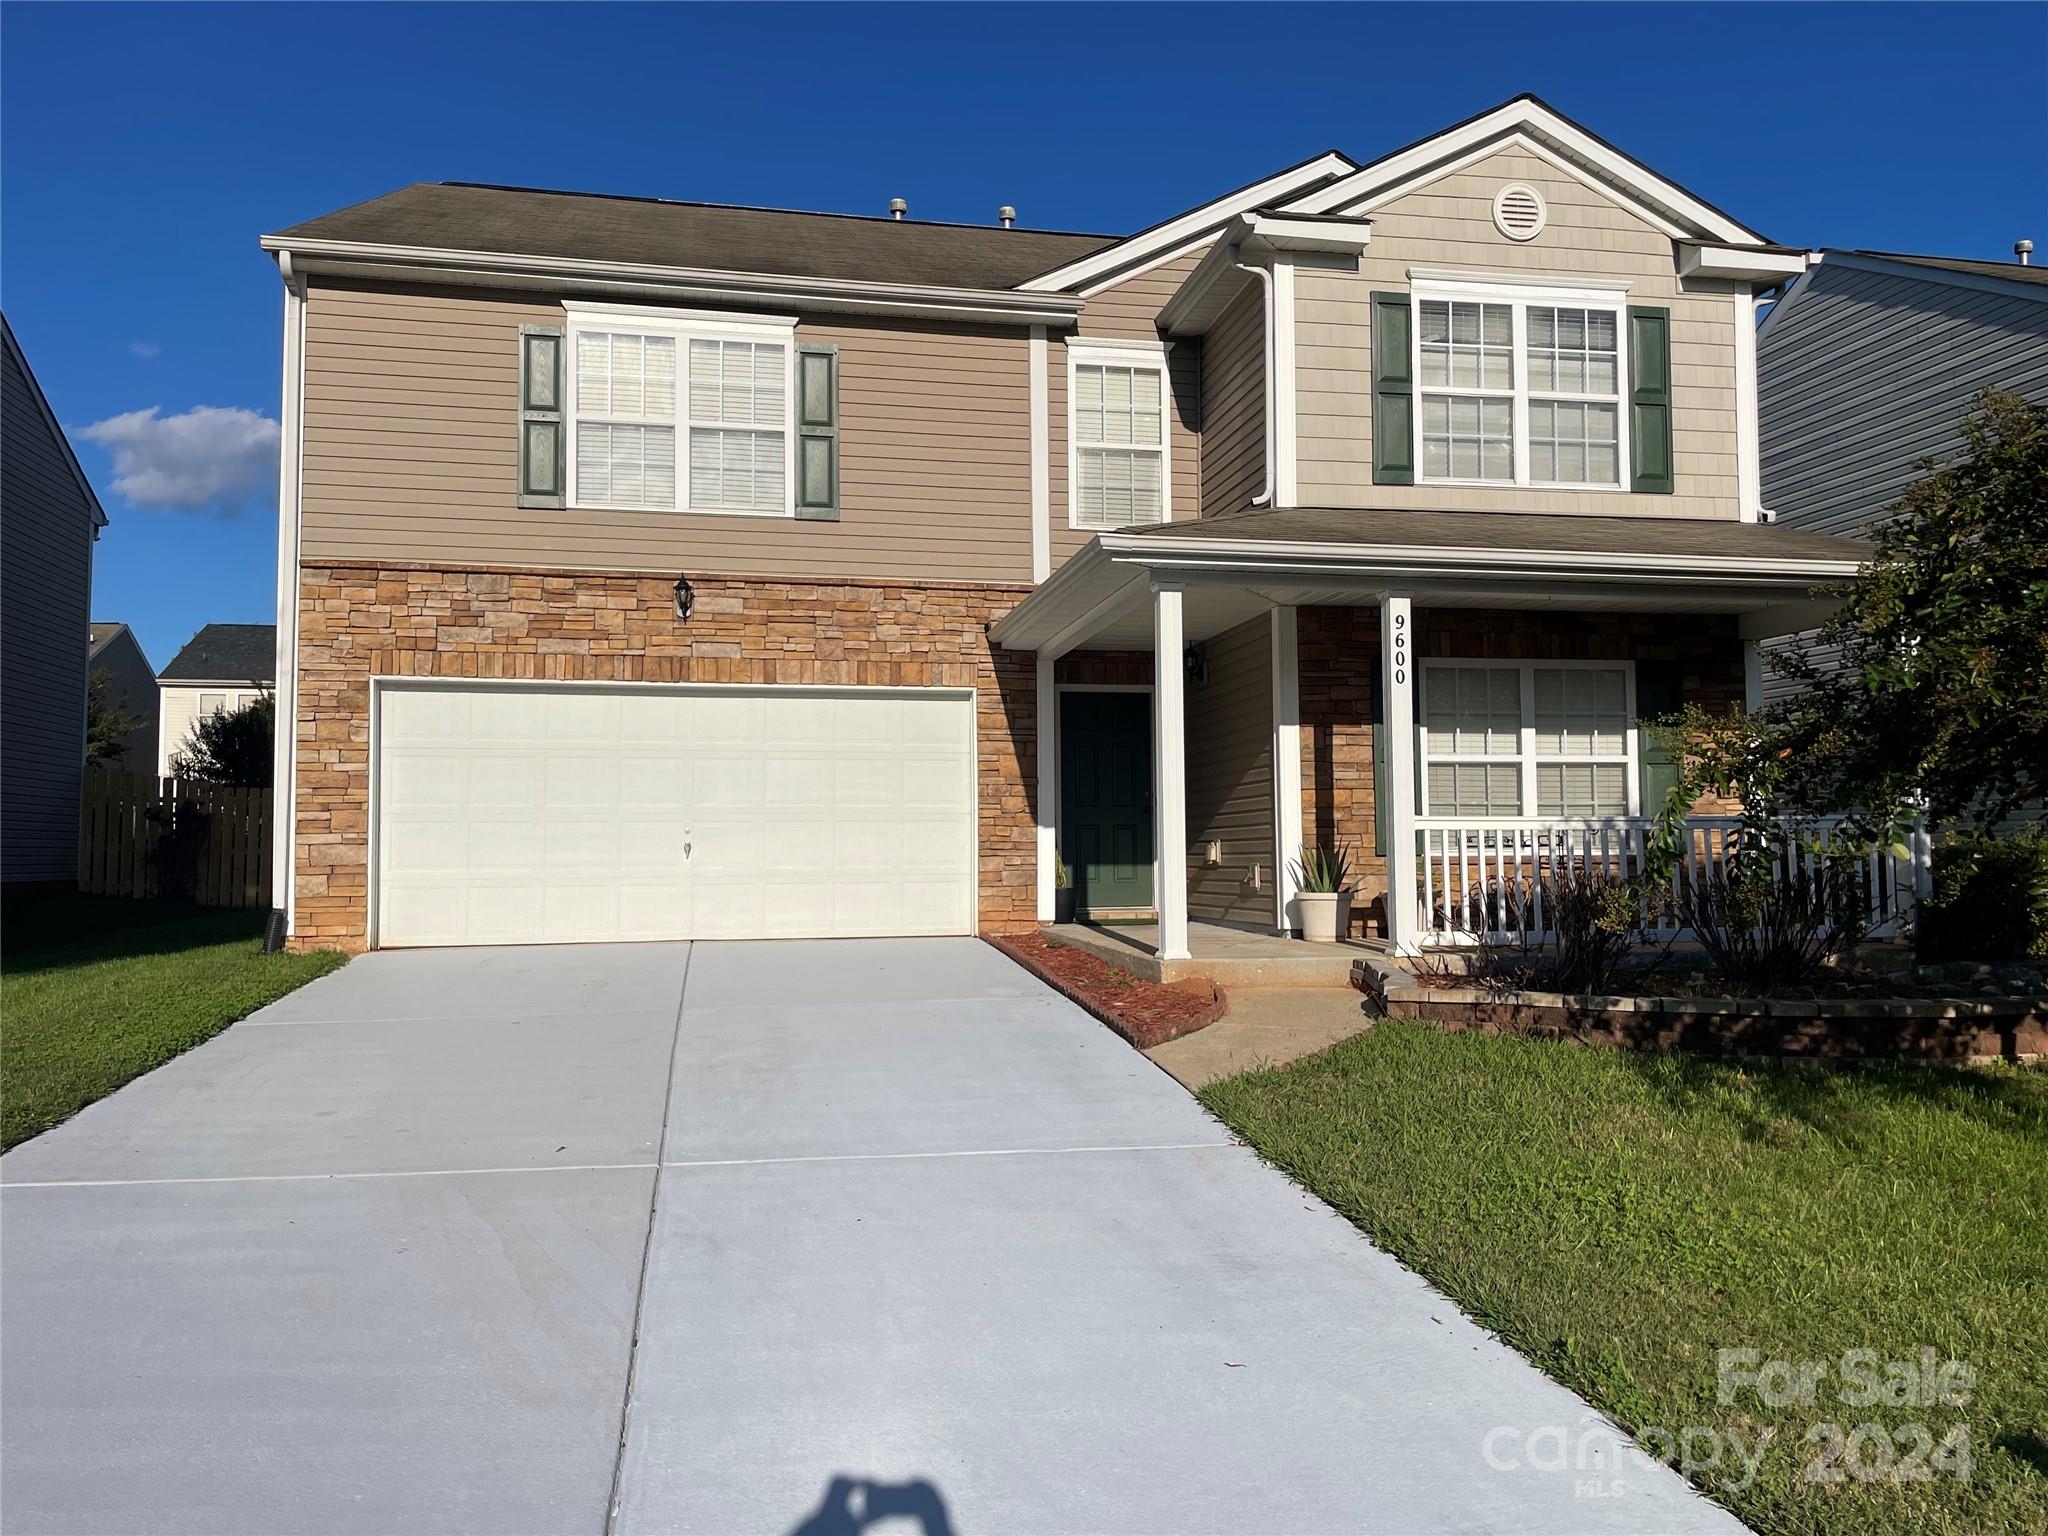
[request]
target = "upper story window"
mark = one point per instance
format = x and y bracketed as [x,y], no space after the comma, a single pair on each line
[1553,739]
[1117,395]
[1519,386]
[677,410]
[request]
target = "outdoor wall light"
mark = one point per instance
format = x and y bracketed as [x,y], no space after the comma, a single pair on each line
[686,598]
[1197,662]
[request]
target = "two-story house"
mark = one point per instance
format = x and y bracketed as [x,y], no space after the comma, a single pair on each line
[655,570]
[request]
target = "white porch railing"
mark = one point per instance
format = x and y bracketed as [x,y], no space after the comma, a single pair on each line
[1484,878]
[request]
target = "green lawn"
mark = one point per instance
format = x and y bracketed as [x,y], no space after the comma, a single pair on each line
[1620,1217]
[95,991]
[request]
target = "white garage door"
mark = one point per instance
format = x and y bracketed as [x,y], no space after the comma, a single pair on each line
[516,815]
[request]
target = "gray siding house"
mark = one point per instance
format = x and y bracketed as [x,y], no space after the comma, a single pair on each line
[117,656]
[1868,364]
[49,518]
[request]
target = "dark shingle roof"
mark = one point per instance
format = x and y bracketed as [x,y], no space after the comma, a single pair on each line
[1520,530]
[2011,271]
[226,653]
[462,216]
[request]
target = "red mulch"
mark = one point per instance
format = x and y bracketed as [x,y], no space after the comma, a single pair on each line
[1143,1012]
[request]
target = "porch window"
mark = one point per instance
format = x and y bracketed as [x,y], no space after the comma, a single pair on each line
[1518,388]
[1117,396]
[1527,739]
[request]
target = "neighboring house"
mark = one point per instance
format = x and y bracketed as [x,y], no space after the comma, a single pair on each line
[654,570]
[223,667]
[49,521]
[1868,365]
[113,652]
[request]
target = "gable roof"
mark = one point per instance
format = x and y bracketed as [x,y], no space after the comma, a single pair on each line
[1183,228]
[589,226]
[226,653]
[20,360]
[1534,122]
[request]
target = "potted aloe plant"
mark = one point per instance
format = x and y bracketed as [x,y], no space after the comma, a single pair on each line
[1062,891]
[1323,878]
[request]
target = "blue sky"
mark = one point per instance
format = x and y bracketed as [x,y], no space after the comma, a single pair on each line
[143,150]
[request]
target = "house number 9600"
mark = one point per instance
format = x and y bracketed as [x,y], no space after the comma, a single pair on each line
[1400,647]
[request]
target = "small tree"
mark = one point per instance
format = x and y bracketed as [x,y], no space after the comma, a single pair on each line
[1944,645]
[107,725]
[230,746]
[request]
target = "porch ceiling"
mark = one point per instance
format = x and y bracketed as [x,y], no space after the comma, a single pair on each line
[1234,568]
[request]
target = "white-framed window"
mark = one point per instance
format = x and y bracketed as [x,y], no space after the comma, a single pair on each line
[1520,385]
[212,704]
[1119,405]
[680,410]
[1551,738]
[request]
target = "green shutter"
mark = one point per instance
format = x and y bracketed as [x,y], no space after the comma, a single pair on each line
[1660,693]
[540,416]
[1649,380]
[1393,390]
[817,433]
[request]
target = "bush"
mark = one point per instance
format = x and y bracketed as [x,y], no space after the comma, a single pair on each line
[1772,928]
[1595,915]
[1990,899]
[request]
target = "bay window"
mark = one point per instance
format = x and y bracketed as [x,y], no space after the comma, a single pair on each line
[1519,386]
[675,410]
[1117,395]
[1553,739]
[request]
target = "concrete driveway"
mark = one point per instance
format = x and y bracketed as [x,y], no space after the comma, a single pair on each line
[729,1238]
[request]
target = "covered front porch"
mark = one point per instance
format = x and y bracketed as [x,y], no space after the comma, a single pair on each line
[1455,698]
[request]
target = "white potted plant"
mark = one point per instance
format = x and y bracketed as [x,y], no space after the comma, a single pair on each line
[1322,878]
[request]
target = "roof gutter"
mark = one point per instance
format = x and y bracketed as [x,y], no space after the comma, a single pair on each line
[556,273]
[1423,559]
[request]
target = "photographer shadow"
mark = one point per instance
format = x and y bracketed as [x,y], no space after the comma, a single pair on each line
[852,1506]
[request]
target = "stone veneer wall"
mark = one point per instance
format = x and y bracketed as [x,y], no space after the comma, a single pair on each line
[1339,659]
[396,620]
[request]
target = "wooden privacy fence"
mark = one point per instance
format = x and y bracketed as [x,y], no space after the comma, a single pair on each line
[139,835]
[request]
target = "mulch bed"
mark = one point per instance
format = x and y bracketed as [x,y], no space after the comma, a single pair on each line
[1146,1013]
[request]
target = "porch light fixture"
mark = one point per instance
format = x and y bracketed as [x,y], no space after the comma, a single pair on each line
[686,598]
[1196,661]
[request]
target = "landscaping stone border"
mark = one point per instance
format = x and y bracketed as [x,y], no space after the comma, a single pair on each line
[1146,1013]
[1917,1028]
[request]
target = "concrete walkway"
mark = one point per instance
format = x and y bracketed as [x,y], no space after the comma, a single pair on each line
[1265,1027]
[741,1238]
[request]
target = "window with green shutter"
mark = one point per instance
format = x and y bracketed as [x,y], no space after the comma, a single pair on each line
[817,433]
[1649,379]
[540,416]
[1393,390]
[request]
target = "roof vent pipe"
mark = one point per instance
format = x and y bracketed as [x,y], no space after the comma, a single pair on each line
[898,207]
[2023,249]
[1007,216]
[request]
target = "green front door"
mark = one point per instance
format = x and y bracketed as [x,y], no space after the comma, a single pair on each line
[1106,798]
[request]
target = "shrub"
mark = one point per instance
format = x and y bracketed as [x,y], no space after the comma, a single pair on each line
[1990,899]
[1595,915]
[1769,928]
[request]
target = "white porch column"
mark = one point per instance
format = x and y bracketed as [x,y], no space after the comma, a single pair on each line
[1286,685]
[1397,716]
[1752,676]
[1048,784]
[1169,771]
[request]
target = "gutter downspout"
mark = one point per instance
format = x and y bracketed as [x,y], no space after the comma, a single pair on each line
[1265,496]
[285,691]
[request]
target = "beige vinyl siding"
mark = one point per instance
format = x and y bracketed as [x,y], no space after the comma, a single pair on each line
[1230,779]
[1234,406]
[178,712]
[45,586]
[1449,224]
[1129,311]
[411,451]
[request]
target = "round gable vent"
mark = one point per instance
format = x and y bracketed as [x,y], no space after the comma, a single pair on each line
[1518,211]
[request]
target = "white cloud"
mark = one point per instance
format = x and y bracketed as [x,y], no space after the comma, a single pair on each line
[212,458]
[144,349]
